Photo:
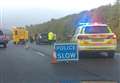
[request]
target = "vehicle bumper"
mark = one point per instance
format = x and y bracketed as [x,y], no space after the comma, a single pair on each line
[97,48]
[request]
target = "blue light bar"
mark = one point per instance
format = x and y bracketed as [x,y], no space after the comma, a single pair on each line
[83,24]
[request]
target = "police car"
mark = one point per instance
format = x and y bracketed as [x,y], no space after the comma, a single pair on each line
[95,37]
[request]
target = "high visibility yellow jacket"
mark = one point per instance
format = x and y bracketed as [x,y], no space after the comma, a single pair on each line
[50,36]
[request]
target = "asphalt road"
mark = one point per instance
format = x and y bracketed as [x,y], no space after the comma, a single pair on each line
[33,65]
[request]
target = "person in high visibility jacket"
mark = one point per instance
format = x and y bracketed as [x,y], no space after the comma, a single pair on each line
[50,36]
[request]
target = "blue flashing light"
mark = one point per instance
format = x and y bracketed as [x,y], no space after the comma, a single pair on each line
[84,19]
[82,24]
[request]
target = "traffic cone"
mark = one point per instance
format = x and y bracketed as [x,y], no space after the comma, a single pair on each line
[53,58]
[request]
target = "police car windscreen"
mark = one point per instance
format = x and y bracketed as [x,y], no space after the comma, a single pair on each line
[96,29]
[1,33]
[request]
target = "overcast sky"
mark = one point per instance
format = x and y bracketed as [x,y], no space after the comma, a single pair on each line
[25,12]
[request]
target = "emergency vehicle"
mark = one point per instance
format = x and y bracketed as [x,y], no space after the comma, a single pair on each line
[95,37]
[19,35]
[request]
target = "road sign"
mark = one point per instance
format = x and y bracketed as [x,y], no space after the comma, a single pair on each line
[66,51]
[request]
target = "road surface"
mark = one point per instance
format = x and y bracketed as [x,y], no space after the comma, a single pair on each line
[33,65]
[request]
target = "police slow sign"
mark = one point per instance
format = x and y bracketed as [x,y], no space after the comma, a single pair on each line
[66,51]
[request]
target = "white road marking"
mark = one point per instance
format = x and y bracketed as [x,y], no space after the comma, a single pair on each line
[39,53]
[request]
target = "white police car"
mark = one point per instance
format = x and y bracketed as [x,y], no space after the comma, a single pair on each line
[96,37]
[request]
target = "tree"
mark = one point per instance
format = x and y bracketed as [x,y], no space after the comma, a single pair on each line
[109,14]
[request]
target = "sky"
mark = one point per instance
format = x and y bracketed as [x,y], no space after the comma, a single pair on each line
[26,12]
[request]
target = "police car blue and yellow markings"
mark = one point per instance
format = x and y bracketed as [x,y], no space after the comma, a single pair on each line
[66,51]
[92,39]
[107,38]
